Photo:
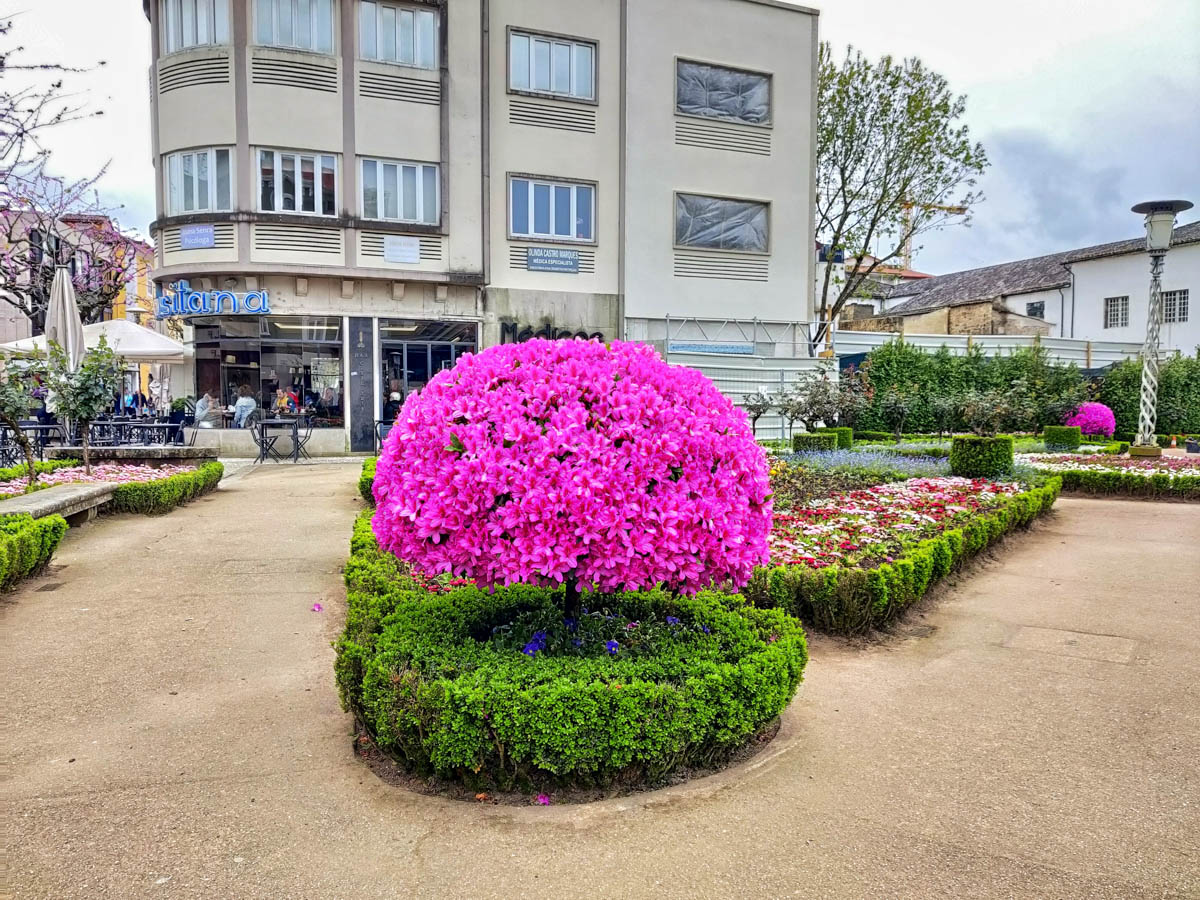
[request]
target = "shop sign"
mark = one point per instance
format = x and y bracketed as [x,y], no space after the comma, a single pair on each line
[737,349]
[515,333]
[399,249]
[197,237]
[551,259]
[183,302]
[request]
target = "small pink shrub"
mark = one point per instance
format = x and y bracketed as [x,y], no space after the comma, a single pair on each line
[1094,418]
[551,461]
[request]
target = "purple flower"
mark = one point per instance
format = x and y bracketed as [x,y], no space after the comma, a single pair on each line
[530,649]
[577,642]
[571,624]
[672,620]
[705,629]
[632,625]
[542,800]
[613,647]
[316,607]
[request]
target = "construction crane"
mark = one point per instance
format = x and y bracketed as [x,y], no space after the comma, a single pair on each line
[906,249]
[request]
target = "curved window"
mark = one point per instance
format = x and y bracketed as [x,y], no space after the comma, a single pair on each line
[301,24]
[399,34]
[199,181]
[193,23]
[400,191]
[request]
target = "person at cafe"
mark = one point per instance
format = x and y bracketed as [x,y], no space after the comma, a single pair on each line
[391,409]
[244,407]
[283,402]
[208,412]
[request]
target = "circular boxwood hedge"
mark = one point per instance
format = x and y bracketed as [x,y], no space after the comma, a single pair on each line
[443,686]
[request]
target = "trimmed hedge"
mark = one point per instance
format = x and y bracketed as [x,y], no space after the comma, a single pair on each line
[1062,437]
[42,468]
[157,497]
[1116,448]
[972,456]
[811,440]
[417,671]
[845,436]
[852,600]
[366,481]
[1128,484]
[27,544]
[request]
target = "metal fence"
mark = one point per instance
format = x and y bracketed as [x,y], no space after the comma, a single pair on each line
[1085,354]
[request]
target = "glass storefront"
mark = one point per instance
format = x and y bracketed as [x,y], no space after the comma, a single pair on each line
[413,351]
[302,355]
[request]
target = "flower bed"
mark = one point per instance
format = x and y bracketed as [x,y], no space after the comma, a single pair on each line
[1150,477]
[853,562]
[882,463]
[162,494]
[110,473]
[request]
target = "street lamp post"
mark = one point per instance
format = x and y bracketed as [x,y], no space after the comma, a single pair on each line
[1160,223]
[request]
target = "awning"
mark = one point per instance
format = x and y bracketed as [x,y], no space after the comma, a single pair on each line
[135,343]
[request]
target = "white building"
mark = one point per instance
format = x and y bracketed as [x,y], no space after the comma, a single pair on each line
[407,180]
[1096,293]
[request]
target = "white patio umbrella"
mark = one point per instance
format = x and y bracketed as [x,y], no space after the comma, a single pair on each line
[62,318]
[128,339]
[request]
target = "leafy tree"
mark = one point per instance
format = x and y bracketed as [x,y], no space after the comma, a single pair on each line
[946,410]
[812,399]
[756,406]
[894,162]
[895,407]
[17,384]
[855,394]
[82,395]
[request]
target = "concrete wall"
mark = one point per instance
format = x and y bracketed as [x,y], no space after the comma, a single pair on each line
[1057,303]
[775,39]
[1129,275]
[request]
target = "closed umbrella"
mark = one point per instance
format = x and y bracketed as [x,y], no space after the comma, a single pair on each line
[62,318]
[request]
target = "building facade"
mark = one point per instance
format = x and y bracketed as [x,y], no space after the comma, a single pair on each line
[353,193]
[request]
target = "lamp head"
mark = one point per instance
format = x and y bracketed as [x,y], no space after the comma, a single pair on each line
[1160,221]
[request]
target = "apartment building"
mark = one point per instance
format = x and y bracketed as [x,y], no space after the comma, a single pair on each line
[354,193]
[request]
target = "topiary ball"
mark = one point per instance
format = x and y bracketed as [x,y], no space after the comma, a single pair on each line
[1094,418]
[548,461]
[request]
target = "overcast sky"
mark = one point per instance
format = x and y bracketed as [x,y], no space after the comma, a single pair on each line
[1085,107]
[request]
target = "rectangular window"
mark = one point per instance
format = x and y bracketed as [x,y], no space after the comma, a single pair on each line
[1175,306]
[715,92]
[1036,310]
[301,24]
[199,181]
[718,223]
[551,66]
[193,23]
[400,34]
[289,182]
[409,191]
[1116,312]
[552,209]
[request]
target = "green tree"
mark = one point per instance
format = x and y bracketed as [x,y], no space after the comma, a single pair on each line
[83,394]
[756,406]
[17,383]
[894,162]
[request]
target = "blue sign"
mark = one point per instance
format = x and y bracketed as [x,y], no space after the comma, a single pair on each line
[183,302]
[737,349]
[197,237]
[551,259]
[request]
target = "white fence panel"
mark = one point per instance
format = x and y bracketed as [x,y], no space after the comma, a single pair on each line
[1085,354]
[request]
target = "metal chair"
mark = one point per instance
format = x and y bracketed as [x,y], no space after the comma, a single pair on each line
[382,428]
[303,432]
[264,440]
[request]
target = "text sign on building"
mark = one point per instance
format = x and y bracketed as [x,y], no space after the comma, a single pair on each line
[183,302]
[551,259]
[197,237]
[400,249]
[740,349]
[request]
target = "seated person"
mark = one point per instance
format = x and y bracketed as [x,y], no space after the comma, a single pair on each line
[208,412]
[244,406]
[391,409]
[284,402]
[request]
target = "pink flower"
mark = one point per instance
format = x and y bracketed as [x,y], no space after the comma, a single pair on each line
[316,607]
[1094,418]
[542,800]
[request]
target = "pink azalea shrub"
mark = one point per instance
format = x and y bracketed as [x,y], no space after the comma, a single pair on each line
[1094,418]
[551,461]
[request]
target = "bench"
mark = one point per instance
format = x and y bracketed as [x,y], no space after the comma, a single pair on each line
[77,503]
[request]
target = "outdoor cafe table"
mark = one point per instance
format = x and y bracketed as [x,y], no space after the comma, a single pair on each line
[292,424]
[134,432]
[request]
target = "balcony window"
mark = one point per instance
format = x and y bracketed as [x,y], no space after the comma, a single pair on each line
[193,23]
[554,210]
[399,34]
[715,92]
[291,181]
[199,181]
[548,65]
[719,223]
[300,24]
[400,191]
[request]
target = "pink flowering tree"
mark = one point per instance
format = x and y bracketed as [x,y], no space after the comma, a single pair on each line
[597,467]
[1094,418]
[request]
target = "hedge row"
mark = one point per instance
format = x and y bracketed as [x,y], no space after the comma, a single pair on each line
[42,468]
[417,671]
[845,436]
[1062,437]
[366,481]
[851,600]
[156,497]
[972,456]
[26,545]
[811,440]
[1130,484]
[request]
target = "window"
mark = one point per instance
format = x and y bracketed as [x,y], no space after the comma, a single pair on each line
[551,66]
[1175,306]
[200,181]
[401,191]
[36,255]
[1116,312]
[399,34]
[193,23]
[719,93]
[1036,310]
[717,223]
[303,24]
[295,182]
[552,209]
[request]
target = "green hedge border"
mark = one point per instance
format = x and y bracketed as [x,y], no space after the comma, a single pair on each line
[812,440]
[42,468]
[162,496]
[366,481]
[1118,483]
[850,600]
[1062,437]
[972,456]
[27,545]
[845,436]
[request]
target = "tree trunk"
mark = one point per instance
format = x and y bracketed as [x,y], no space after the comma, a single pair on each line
[27,448]
[87,459]
[573,605]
